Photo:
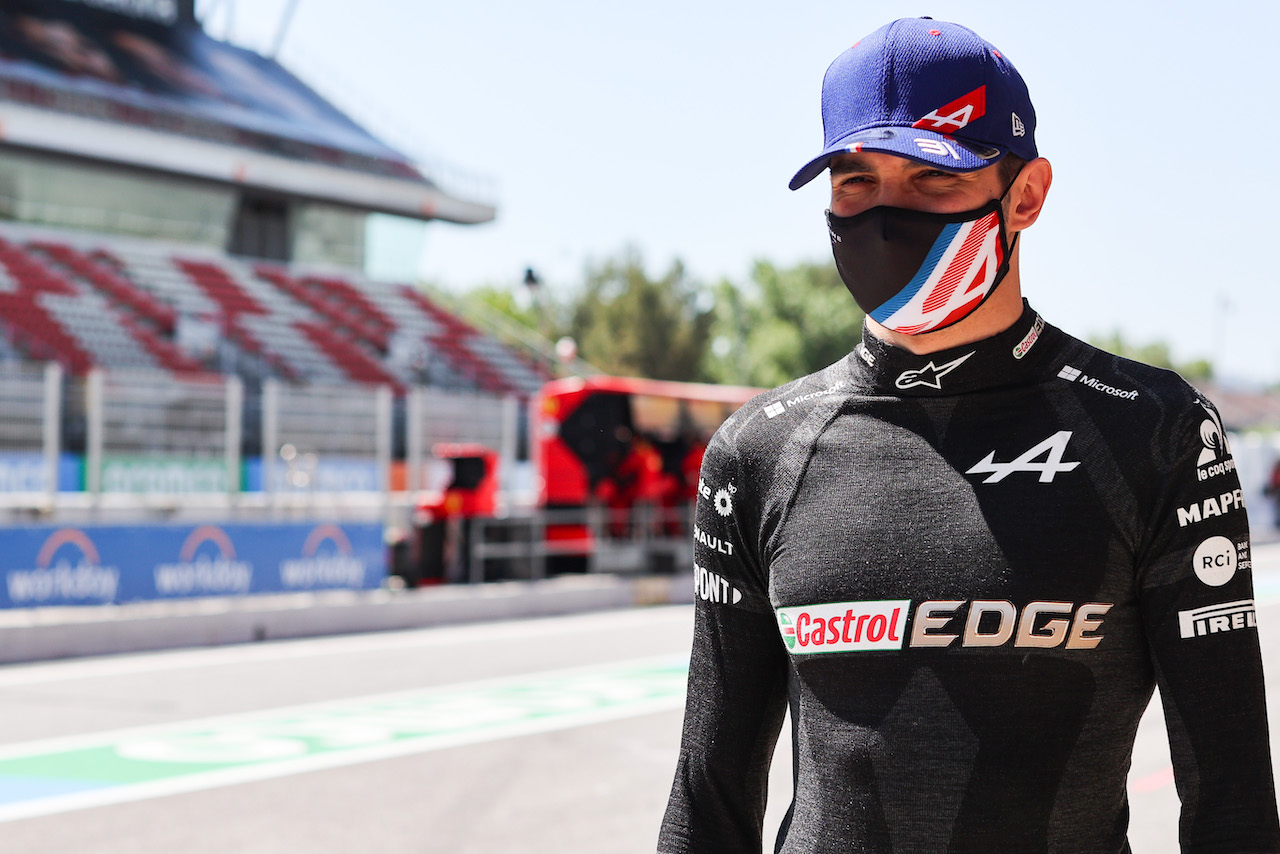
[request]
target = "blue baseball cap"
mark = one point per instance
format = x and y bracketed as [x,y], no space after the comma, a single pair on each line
[928,90]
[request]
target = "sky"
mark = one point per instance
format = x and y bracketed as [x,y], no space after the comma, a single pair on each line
[673,126]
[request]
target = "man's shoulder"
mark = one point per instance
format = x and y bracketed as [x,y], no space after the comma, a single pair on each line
[1146,397]
[772,416]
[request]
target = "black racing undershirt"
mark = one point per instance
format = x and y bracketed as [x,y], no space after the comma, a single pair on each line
[964,574]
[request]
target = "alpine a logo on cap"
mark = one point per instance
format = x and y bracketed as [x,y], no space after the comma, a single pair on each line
[957,114]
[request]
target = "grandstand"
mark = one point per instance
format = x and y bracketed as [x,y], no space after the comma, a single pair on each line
[175,204]
[91,299]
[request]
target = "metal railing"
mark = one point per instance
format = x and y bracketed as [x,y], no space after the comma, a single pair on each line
[641,539]
[136,440]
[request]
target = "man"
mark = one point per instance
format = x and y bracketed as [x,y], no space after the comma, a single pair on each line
[965,554]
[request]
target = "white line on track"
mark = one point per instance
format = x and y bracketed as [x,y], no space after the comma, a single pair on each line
[536,703]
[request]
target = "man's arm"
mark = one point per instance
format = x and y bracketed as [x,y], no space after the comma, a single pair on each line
[737,675]
[1200,618]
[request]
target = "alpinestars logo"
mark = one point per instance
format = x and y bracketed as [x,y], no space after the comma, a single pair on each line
[956,115]
[1046,458]
[930,375]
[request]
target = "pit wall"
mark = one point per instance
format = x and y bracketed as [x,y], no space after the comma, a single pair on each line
[48,565]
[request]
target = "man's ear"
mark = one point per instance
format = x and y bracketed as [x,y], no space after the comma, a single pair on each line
[1027,195]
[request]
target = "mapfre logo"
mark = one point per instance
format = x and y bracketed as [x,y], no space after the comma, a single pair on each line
[951,117]
[1045,459]
[1210,507]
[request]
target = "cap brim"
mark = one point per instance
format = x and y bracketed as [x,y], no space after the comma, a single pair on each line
[923,146]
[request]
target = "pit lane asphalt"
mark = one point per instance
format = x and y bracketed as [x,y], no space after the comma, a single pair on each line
[596,787]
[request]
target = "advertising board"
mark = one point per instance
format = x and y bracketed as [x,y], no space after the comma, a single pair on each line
[47,565]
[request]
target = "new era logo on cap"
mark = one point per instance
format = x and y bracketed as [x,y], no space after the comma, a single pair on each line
[961,102]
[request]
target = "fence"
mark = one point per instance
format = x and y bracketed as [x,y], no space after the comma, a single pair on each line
[130,439]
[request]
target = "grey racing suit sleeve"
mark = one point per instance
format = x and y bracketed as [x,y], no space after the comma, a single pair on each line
[1198,611]
[737,673]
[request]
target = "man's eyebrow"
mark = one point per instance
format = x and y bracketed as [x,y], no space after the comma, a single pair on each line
[859,167]
[845,167]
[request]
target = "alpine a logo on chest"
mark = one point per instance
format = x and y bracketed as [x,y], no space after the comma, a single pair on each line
[1045,459]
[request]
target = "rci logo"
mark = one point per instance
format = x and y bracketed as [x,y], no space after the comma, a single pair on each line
[1215,561]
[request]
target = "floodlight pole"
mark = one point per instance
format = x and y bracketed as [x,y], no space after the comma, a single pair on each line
[285,20]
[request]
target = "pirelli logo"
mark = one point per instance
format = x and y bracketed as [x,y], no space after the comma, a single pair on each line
[939,623]
[1214,619]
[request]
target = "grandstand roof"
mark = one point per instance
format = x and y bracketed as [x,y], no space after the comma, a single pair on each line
[139,83]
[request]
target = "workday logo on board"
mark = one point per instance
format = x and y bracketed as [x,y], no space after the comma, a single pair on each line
[67,568]
[327,560]
[206,565]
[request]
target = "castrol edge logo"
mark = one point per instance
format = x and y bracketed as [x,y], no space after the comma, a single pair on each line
[844,626]
[884,625]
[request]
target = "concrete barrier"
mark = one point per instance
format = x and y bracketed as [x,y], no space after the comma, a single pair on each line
[38,634]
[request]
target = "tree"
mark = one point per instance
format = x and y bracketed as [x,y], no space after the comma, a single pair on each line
[630,324]
[787,323]
[1156,353]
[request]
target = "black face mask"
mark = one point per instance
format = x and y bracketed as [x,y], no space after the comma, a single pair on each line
[919,272]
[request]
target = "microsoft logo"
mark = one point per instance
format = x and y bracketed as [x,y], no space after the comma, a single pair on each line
[1069,373]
